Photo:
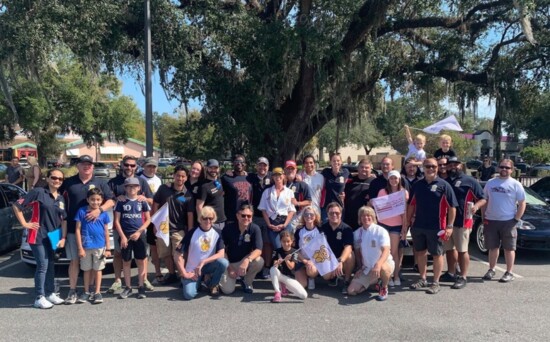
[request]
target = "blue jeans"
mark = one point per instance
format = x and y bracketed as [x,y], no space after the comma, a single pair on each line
[45,270]
[215,269]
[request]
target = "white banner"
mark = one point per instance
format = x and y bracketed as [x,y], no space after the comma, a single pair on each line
[320,253]
[162,225]
[390,205]
[449,123]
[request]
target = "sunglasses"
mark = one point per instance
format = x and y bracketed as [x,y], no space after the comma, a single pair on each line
[334,213]
[130,165]
[505,167]
[430,166]
[246,216]
[309,215]
[57,178]
[207,218]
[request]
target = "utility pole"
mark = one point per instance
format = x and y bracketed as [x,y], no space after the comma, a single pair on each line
[148,83]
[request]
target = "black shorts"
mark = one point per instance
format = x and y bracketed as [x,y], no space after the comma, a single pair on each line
[138,248]
[427,239]
[151,238]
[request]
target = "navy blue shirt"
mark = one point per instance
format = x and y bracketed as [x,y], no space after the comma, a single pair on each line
[338,238]
[432,201]
[76,193]
[52,210]
[237,191]
[466,189]
[334,186]
[237,245]
[131,215]
[258,187]
[301,191]
[211,192]
[180,204]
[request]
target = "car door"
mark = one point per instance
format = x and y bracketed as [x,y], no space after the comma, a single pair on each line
[10,229]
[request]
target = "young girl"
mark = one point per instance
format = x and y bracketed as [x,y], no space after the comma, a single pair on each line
[92,239]
[283,265]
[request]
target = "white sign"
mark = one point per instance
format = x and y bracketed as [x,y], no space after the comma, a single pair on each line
[389,206]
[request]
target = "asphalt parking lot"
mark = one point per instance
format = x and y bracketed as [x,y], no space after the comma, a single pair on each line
[482,311]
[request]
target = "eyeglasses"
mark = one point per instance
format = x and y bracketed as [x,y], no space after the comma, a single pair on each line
[309,215]
[430,166]
[57,178]
[246,216]
[334,213]
[505,167]
[207,218]
[130,165]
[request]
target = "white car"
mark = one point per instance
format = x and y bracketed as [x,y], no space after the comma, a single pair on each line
[61,258]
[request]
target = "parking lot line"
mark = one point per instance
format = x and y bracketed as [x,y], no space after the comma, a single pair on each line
[496,267]
[10,265]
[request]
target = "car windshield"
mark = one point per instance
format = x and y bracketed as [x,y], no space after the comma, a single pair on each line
[531,197]
[101,165]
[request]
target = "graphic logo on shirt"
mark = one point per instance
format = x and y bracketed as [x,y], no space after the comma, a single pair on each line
[372,243]
[247,238]
[92,186]
[321,255]
[267,181]
[339,236]
[307,239]
[205,243]
[434,188]
[195,189]
[126,207]
[61,205]
[152,188]
[457,184]
[500,190]
[340,180]
[293,188]
[138,206]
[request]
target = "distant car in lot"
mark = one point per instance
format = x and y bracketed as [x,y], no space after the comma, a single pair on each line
[28,257]
[10,229]
[473,164]
[102,169]
[542,187]
[523,167]
[534,229]
[3,168]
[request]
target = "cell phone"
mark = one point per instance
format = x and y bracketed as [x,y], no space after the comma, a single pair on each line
[404,243]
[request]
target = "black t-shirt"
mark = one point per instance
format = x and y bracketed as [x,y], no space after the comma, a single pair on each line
[76,194]
[180,204]
[357,194]
[237,191]
[14,173]
[194,188]
[237,245]
[432,201]
[334,185]
[117,186]
[485,173]
[280,253]
[258,187]
[466,189]
[440,154]
[301,191]
[211,192]
[338,238]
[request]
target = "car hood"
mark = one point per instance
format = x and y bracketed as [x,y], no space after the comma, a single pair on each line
[538,215]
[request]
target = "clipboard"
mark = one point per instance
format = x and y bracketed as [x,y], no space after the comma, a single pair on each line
[55,236]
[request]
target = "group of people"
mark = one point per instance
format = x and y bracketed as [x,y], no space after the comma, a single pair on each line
[230,229]
[17,175]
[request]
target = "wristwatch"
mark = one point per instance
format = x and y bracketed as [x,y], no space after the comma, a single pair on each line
[450,226]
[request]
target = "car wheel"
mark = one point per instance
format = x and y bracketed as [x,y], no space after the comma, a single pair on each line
[480,239]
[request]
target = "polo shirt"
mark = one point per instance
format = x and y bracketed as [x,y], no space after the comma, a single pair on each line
[466,189]
[117,186]
[300,190]
[432,201]
[52,210]
[131,215]
[199,245]
[334,186]
[371,241]
[338,238]
[258,187]
[237,191]
[180,204]
[237,245]
[211,192]
[76,194]
[357,195]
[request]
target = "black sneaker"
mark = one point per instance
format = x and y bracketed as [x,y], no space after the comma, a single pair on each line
[141,292]
[71,297]
[171,278]
[489,275]
[83,298]
[247,288]
[345,288]
[459,283]
[448,277]
[215,291]
[125,293]
[507,277]
[98,298]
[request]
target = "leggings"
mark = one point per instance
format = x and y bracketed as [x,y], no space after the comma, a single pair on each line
[291,284]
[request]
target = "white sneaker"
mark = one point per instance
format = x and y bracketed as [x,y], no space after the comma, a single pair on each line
[311,284]
[397,282]
[391,283]
[54,299]
[42,303]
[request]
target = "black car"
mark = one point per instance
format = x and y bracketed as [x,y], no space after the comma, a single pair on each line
[10,229]
[542,187]
[473,164]
[533,230]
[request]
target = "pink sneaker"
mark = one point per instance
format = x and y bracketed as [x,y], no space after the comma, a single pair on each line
[276,298]
[284,290]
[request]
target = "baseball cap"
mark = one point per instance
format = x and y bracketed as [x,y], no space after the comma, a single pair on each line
[394,173]
[212,163]
[131,181]
[263,160]
[277,171]
[290,163]
[453,160]
[85,159]
[150,161]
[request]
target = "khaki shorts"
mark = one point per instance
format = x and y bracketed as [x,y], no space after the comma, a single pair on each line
[94,259]
[459,240]
[367,280]
[175,239]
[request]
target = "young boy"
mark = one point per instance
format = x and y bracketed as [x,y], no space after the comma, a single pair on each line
[131,219]
[416,147]
[92,240]
[445,150]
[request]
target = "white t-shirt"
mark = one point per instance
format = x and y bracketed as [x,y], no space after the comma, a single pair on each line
[277,206]
[502,197]
[419,155]
[371,241]
[154,182]
[202,245]
[316,184]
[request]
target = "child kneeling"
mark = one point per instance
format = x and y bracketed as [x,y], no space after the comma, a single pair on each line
[284,262]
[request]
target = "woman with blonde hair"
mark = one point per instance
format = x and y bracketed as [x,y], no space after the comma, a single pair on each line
[34,175]
[307,230]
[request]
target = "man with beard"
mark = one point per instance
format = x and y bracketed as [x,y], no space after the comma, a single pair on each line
[442,167]
[314,180]
[433,204]
[211,194]
[237,189]
[411,174]
[357,192]
[14,173]
[128,167]
[302,197]
[467,190]
[386,165]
